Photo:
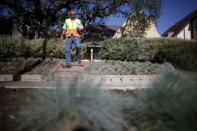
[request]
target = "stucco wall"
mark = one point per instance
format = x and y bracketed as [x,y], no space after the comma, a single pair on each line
[151,32]
[185,33]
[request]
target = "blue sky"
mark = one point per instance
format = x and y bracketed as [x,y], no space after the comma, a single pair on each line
[172,12]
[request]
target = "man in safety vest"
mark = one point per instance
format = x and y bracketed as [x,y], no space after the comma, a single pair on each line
[72,29]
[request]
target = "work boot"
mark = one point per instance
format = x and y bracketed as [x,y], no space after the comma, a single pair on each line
[66,66]
[79,60]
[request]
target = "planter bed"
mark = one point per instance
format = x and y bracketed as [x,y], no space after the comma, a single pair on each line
[12,69]
[43,71]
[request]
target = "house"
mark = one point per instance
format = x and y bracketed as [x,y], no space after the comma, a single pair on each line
[127,30]
[186,28]
[98,33]
[93,36]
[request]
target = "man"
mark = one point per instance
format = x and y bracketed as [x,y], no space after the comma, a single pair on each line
[72,29]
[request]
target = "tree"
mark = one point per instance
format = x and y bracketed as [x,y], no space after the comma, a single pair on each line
[144,13]
[35,17]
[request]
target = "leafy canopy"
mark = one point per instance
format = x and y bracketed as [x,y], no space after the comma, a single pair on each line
[37,17]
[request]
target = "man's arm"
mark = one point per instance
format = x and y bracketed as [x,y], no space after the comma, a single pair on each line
[63,33]
[80,27]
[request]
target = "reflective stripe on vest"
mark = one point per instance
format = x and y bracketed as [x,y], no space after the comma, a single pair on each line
[71,27]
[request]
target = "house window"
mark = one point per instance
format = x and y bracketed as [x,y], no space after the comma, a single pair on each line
[170,34]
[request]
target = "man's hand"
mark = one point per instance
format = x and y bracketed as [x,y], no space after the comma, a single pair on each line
[79,30]
[62,37]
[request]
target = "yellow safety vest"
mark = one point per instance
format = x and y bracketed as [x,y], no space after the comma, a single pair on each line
[71,27]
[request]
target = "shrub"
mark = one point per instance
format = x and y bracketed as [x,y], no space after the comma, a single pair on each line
[72,103]
[168,104]
[15,47]
[111,67]
[181,53]
[127,50]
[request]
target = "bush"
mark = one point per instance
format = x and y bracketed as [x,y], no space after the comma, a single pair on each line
[15,47]
[127,50]
[124,68]
[169,104]
[72,105]
[181,53]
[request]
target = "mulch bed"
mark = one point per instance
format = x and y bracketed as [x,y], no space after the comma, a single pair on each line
[10,102]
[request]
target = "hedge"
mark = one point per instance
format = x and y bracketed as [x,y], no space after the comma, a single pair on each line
[16,47]
[181,53]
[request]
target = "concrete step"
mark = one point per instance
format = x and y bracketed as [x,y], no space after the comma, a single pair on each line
[53,85]
[106,81]
[33,75]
